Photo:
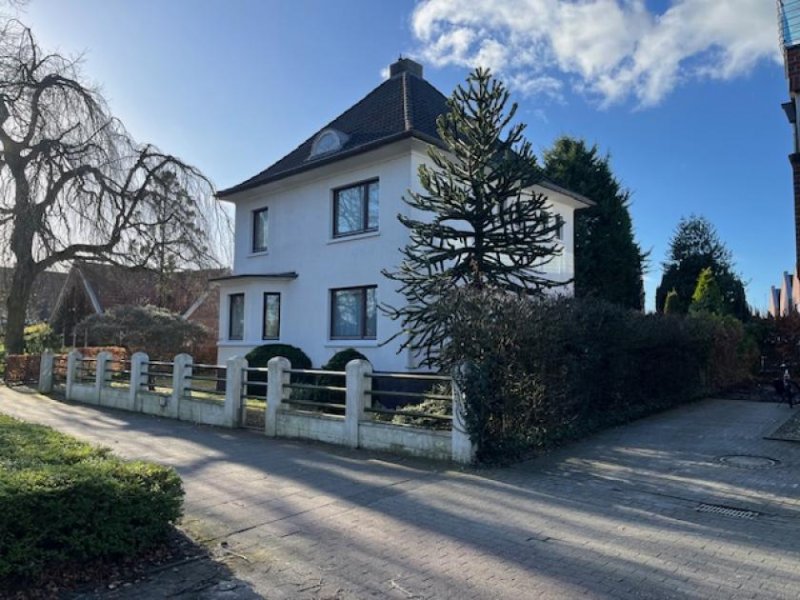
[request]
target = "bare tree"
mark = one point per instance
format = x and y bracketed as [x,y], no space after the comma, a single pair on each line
[75,185]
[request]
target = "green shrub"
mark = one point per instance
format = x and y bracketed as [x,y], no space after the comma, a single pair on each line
[157,331]
[40,337]
[540,372]
[260,356]
[2,360]
[63,500]
[337,362]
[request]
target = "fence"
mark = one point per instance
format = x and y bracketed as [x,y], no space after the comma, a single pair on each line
[348,408]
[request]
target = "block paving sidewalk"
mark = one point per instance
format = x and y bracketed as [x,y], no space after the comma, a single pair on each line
[622,514]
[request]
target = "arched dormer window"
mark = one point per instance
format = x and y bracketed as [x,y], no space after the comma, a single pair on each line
[328,140]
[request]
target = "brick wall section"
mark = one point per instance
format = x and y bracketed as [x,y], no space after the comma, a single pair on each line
[22,368]
[792,59]
[794,159]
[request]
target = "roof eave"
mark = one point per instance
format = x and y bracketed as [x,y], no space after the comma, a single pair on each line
[546,183]
[413,133]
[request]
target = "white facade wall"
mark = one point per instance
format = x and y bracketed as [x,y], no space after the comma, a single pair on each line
[300,239]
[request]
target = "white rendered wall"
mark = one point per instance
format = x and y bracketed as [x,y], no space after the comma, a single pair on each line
[300,240]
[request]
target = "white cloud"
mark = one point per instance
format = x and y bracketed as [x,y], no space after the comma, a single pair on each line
[612,49]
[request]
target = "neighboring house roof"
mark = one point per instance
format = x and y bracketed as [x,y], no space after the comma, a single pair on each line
[43,295]
[405,105]
[107,286]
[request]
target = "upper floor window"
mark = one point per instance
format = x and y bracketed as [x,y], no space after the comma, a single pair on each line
[260,221]
[559,228]
[355,209]
[236,317]
[272,316]
[354,313]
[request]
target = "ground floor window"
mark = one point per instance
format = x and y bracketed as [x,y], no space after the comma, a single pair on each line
[272,316]
[236,317]
[354,313]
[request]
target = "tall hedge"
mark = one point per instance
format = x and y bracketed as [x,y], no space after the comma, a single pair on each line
[63,500]
[539,372]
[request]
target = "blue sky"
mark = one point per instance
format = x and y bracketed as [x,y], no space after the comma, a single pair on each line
[684,94]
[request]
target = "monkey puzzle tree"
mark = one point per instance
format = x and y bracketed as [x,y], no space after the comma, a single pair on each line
[478,223]
[75,185]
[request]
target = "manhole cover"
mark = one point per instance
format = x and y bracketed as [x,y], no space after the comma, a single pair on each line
[728,511]
[745,461]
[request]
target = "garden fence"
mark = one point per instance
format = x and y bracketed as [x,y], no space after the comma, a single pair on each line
[349,408]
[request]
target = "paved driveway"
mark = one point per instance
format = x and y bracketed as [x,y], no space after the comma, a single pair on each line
[629,513]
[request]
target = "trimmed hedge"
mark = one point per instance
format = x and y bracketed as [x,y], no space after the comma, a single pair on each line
[542,372]
[260,356]
[64,500]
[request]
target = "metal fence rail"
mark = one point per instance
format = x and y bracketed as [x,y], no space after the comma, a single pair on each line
[406,400]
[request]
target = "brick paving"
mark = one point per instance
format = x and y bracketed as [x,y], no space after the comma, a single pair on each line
[614,516]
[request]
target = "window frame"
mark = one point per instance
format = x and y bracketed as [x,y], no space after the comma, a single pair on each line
[561,223]
[362,312]
[264,335]
[230,316]
[364,185]
[255,215]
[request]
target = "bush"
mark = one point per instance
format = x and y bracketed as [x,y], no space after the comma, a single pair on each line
[260,356]
[63,500]
[40,337]
[157,331]
[337,362]
[540,372]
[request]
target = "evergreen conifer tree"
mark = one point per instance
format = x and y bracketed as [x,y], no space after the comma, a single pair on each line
[707,296]
[478,223]
[608,261]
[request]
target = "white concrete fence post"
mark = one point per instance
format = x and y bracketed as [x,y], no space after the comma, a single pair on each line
[73,362]
[277,377]
[101,374]
[46,372]
[234,380]
[181,372]
[461,445]
[358,383]
[139,377]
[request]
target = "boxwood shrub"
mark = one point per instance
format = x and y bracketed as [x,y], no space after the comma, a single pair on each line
[63,500]
[260,356]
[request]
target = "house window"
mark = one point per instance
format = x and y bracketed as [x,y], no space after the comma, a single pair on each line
[260,230]
[559,228]
[272,316]
[355,209]
[236,317]
[354,313]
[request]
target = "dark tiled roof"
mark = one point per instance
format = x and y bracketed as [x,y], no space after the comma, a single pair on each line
[115,286]
[403,106]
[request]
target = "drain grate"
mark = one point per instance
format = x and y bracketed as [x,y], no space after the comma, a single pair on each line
[728,511]
[748,461]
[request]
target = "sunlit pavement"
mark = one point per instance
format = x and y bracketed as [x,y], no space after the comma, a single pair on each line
[640,511]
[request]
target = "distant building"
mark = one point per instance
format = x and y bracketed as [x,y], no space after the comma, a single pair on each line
[93,288]
[785,301]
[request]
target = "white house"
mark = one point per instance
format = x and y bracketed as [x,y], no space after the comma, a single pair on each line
[315,229]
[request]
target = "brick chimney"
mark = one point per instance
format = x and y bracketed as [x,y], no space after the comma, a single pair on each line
[406,65]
